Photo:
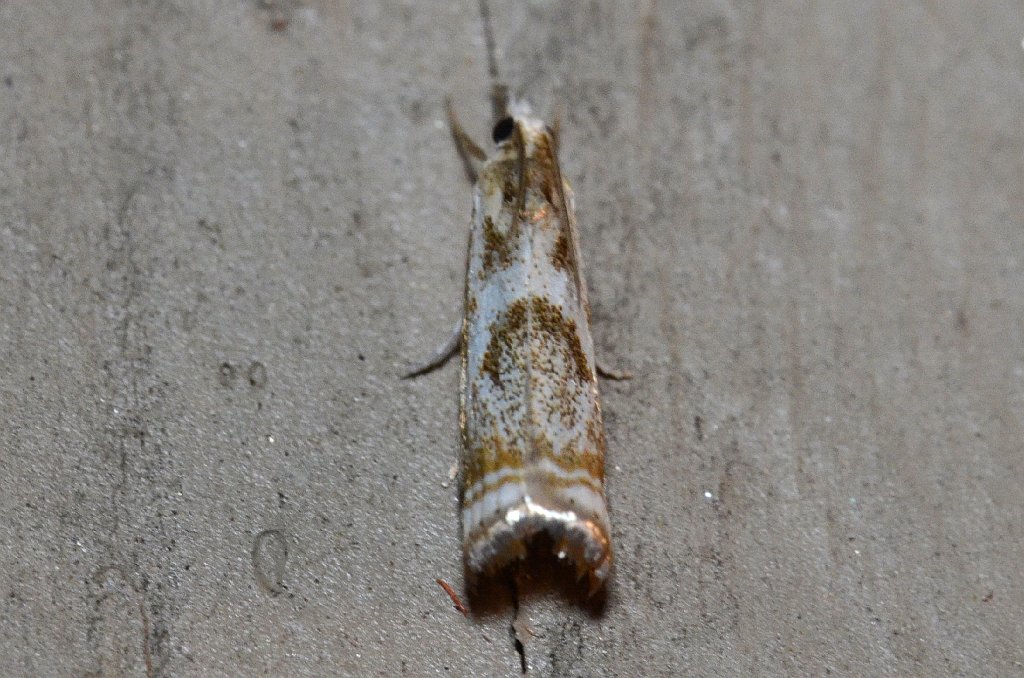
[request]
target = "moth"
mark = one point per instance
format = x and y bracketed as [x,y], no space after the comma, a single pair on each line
[533,440]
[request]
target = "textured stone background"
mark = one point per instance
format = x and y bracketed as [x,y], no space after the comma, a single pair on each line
[226,226]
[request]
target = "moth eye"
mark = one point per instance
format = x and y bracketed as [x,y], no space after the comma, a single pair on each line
[503,130]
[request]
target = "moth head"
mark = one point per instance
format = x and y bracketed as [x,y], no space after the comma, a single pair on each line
[519,121]
[517,116]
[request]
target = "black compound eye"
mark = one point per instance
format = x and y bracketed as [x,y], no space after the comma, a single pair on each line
[503,130]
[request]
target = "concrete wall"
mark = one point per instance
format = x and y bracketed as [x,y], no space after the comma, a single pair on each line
[226,226]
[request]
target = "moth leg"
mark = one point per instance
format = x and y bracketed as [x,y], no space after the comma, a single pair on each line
[615,375]
[440,356]
[468,149]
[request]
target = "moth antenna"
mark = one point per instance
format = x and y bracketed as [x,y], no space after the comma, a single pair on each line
[556,127]
[499,90]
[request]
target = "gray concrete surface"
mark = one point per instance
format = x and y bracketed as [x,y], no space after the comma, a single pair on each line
[226,226]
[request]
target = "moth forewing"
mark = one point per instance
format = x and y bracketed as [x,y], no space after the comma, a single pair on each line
[533,436]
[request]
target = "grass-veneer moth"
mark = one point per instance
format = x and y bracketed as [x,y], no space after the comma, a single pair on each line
[533,441]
